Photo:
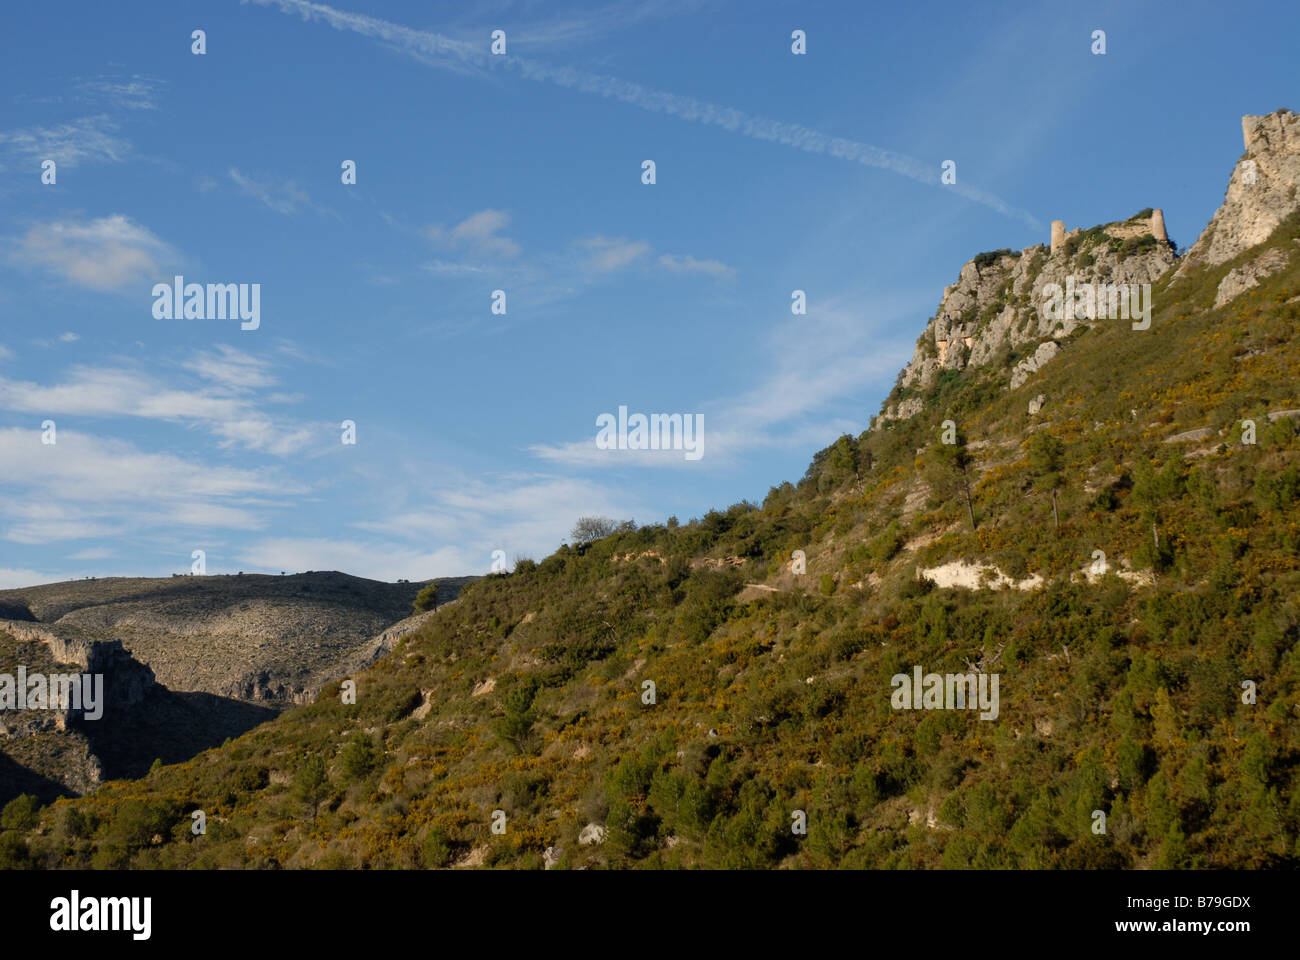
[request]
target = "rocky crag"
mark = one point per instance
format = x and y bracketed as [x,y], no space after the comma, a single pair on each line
[996,315]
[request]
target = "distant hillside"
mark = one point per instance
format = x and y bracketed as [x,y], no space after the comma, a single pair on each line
[1112,531]
[248,636]
[189,662]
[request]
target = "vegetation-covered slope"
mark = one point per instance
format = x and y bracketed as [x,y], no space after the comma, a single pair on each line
[1120,692]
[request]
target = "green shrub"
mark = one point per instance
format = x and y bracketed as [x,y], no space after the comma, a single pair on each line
[358,758]
[435,849]
[20,813]
[427,598]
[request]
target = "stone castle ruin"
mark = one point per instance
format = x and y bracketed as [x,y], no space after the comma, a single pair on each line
[1120,231]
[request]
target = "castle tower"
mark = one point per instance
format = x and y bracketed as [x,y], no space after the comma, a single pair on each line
[1058,234]
[1246,123]
[1158,226]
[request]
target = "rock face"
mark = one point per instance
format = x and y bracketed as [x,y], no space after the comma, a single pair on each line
[128,681]
[998,308]
[1032,363]
[57,749]
[1261,193]
[1240,279]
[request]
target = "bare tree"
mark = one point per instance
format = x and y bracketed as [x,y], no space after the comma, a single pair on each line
[588,529]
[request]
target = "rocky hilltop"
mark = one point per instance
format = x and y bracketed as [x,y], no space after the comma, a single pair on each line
[996,315]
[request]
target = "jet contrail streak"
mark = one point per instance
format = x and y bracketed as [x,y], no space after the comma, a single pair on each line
[437,50]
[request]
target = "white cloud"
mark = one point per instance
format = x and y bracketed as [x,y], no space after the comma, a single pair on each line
[377,561]
[224,405]
[11,578]
[92,553]
[231,368]
[69,337]
[479,233]
[260,432]
[685,263]
[524,515]
[444,268]
[85,140]
[5,353]
[85,469]
[85,487]
[613,253]
[104,254]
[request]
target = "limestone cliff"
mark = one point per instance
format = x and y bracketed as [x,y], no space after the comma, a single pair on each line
[1264,189]
[996,315]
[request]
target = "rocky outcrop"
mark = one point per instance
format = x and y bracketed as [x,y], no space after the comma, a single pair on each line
[1027,367]
[997,309]
[1261,193]
[591,833]
[126,681]
[1240,279]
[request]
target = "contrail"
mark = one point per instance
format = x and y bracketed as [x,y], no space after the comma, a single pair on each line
[437,50]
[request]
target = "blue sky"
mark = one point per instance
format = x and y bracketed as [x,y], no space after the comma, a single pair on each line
[523,172]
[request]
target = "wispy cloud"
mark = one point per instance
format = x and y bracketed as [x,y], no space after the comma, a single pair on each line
[613,253]
[104,254]
[85,140]
[92,553]
[519,515]
[685,263]
[222,403]
[480,233]
[282,197]
[588,26]
[441,51]
[86,486]
[137,92]
[813,362]
[444,268]
[11,578]
[231,368]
